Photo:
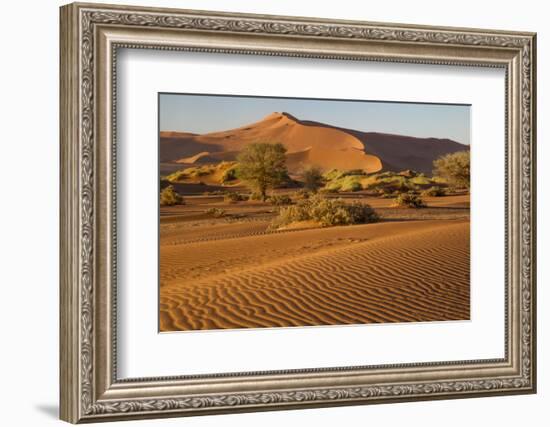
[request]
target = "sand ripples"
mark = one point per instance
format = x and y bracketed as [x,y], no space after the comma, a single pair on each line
[411,275]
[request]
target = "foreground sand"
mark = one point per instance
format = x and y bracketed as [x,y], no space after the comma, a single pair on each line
[386,272]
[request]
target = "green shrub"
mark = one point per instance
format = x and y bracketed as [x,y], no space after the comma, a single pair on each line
[280,200]
[434,191]
[326,212]
[233,197]
[229,175]
[390,183]
[177,176]
[191,173]
[454,168]
[343,181]
[333,174]
[170,197]
[359,172]
[409,200]
[313,178]
[420,180]
[215,212]
[332,187]
[351,185]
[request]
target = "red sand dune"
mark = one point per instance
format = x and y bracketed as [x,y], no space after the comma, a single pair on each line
[309,143]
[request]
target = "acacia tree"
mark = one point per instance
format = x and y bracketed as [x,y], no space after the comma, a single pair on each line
[454,168]
[262,166]
[313,178]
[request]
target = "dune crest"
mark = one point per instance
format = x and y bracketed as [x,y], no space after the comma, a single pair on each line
[309,143]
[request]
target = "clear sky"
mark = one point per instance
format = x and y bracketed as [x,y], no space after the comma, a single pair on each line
[209,113]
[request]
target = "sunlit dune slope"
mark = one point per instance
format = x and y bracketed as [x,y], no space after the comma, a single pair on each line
[309,144]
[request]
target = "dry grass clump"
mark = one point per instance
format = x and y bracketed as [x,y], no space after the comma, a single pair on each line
[344,183]
[434,191]
[190,173]
[170,197]
[325,212]
[280,200]
[409,200]
[215,212]
[233,197]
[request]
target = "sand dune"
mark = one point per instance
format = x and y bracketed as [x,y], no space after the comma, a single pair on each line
[385,272]
[309,143]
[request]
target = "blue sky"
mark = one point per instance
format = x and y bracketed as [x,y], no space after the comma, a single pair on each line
[209,113]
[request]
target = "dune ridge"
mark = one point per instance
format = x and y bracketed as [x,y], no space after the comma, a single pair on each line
[409,274]
[310,143]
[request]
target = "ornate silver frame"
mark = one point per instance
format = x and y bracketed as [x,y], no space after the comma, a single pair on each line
[90,36]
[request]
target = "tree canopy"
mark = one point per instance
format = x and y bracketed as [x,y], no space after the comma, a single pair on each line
[262,166]
[454,168]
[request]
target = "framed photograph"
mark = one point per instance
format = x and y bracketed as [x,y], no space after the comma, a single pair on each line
[266,212]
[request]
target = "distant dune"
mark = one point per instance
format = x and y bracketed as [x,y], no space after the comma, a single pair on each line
[309,144]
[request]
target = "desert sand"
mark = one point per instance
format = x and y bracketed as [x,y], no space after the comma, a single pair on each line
[234,273]
[226,263]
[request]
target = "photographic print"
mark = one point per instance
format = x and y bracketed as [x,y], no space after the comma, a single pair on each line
[284,212]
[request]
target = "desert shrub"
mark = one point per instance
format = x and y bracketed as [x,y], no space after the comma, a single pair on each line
[313,178]
[191,173]
[215,212]
[434,191]
[351,184]
[409,200]
[390,182]
[177,176]
[387,193]
[215,193]
[229,175]
[344,181]
[170,197]
[451,190]
[255,196]
[333,174]
[233,197]
[454,168]
[359,172]
[280,200]
[333,189]
[302,194]
[326,212]
[420,180]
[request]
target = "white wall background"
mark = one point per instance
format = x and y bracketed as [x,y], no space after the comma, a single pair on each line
[29,170]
